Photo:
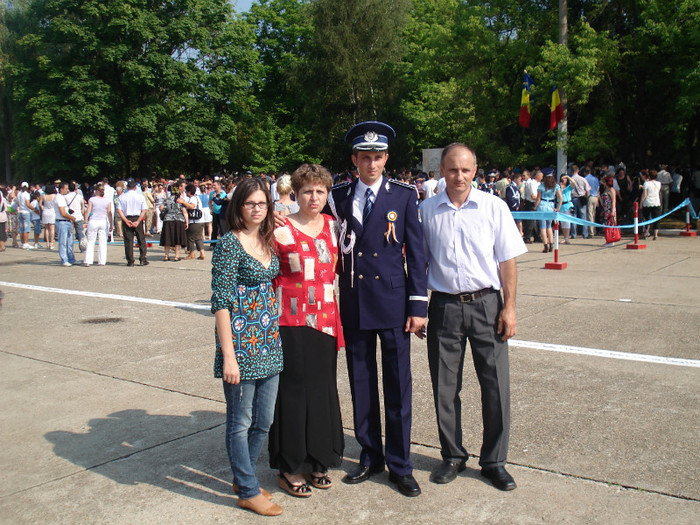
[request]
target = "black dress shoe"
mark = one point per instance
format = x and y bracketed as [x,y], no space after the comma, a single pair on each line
[499,477]
[448,469]
[363,473]
[407,485]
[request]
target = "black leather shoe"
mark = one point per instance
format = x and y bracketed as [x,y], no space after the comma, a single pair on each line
[407,485]
[448,469]
[499,477]
[363,473]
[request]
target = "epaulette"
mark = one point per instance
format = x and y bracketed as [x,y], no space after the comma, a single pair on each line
[341,185]
[402,184]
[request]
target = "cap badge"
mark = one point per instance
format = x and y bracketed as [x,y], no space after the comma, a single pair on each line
[371,136]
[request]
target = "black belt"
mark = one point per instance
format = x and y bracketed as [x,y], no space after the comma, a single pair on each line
[548,200]
[467,297]
[62,220]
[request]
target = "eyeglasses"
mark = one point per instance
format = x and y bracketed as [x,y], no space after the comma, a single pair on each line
[250,206]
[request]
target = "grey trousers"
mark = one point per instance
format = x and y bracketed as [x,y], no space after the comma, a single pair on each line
[450,324]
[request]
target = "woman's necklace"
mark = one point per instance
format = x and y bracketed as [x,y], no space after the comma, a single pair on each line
[252,246]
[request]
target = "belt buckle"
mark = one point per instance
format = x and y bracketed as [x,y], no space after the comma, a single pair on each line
[466,297]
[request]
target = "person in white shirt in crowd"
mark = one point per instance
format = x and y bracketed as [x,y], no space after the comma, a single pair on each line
[48,215]
[471,244]
[284,202]
[64,227]
[579,196]
[529,203]
[195,226]
[651,202]
[132,207]
[676,191]
[76,205]
[430,186]
[99,211]
[666,180]
[24,215]
[110,193]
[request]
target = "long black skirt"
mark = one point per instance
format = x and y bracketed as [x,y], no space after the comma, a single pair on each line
[173,234]
[307,432]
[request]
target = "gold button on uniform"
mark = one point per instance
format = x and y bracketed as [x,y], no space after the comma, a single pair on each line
[360,276]
[359,254]
[376,277]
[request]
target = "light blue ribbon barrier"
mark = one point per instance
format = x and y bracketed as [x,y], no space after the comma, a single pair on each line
[563,217]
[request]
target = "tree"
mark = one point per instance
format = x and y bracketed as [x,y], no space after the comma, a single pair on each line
[130,87]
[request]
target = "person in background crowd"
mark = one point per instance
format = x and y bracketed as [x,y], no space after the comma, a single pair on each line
[592,205]
[131,208]
[3,218]
[651,202]
[567,207]
[215,198]
[285,204]
[429,186]
[195,226]
[98,212]
[64,227]
[110,195]
[203,196]
[676,188]
[502,183]
[24,214]
[174,232]
[76,205]
[248,349]
[512,198]
[35,209]
[529,202]
[548,199]
[580,192]
[48,215]
[119,189]
[159,196]
[150,205]
[666,180]
[607,200]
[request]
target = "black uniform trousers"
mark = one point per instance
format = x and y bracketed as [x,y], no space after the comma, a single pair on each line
[451,323]
[129,240]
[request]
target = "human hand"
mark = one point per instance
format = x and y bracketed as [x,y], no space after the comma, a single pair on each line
[506,324]
[416,325]
[279,219]
[231,372]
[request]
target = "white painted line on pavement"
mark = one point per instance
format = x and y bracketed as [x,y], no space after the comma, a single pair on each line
[129,298]
[694,363]
[610,354]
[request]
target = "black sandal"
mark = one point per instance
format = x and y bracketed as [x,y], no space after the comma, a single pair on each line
[298,491]
[320,482]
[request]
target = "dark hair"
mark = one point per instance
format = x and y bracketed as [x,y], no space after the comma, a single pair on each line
[50,189]
[234,217]
[191,189]
[71,186]
[455,145]
[62,185]
[311,174]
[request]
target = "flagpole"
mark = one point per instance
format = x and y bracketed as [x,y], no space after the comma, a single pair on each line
[562,127]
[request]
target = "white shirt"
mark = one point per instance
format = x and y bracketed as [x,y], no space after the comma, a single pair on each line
[530,186]
[131,203]
[100,205]
[441,185]
[581,186]
[429,188]
[358,202]
[653,197]
[465,245]
[75,203]
[109,195]
[60,202]
[23,199]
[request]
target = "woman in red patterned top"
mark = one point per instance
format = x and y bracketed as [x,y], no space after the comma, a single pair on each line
[306,437]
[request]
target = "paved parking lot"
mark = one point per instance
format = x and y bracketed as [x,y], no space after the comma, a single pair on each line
[110,413]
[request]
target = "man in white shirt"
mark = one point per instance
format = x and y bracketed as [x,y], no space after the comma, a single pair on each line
[529,198]
[132,207]
[471,243]
[64,227]
[76,207]
[665,179]
[429,186]
[579,196]
[24,215]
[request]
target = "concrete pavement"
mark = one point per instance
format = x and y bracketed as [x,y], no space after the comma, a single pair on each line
[110,413]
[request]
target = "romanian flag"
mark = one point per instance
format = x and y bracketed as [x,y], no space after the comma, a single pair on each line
[525,102]
[557,112]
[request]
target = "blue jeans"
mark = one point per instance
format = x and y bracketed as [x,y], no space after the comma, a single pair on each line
[250,408]
[64,230]
[580,208]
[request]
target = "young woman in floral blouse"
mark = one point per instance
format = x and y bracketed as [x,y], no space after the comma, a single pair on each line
[248,349]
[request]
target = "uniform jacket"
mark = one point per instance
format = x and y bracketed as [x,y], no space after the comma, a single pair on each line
[379,288]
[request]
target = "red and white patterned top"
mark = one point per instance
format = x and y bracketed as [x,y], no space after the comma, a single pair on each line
[306,282]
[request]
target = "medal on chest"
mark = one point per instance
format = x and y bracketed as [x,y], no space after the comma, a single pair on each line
[390,233]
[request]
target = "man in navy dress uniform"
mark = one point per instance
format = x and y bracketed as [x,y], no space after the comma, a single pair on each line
[383,293]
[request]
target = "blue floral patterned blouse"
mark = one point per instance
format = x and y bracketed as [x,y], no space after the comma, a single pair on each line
[243,286]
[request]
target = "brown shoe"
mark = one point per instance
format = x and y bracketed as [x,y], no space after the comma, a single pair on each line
[262,491]
[190,256]
[260,505]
